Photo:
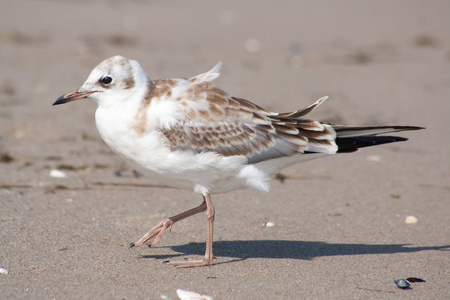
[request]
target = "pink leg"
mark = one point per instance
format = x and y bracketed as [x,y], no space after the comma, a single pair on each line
[209,239]
[152,237]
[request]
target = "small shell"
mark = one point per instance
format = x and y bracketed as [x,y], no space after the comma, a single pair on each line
[186,295]
[401,283]
[411,220]
[3,271]
[57,174]
[268,224]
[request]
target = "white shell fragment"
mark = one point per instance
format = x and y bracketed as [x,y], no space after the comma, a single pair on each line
[268,224]
[411,220]
[3,271]
[186,295]
[57,174]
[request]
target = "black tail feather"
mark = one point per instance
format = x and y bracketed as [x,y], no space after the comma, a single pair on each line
[352,144]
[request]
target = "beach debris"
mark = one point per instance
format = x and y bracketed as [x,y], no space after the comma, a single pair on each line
[164,297]
[3,271]
[426,40]
[402,283]
[406,284]
[415,279]
[411,220]
[395,196]
[187,295]
[5,158]
[57,173]
[268,224]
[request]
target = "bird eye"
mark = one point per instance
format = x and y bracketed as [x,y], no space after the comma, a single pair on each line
[106,80]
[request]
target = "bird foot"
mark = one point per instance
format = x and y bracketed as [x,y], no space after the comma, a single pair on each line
[189,263]
[154,235]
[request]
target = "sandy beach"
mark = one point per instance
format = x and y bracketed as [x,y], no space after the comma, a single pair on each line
[69,207]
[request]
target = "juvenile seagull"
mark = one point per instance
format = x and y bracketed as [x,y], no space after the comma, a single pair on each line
[189,134]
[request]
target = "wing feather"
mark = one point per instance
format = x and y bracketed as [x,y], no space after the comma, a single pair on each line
[204,118]
[209,119]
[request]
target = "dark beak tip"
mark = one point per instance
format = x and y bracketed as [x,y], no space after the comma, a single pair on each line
[69,97]
[60,100]
[64,98]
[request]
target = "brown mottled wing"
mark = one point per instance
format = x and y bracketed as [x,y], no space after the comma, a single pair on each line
[214,121]
[233,126]
[227,139]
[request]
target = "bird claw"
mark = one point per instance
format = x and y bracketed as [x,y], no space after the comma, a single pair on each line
[154,235]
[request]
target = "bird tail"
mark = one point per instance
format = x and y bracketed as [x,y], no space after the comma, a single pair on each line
[351,138]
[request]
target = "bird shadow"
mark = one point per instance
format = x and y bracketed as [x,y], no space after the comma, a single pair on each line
[303,250]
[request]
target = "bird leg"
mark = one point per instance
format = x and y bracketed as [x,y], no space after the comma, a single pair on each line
[152,237]
[209,239]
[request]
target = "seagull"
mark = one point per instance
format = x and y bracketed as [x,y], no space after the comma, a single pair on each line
[189,134]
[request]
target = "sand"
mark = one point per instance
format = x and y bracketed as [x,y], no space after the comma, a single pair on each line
[339,223]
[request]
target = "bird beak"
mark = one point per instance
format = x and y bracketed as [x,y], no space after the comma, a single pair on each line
[75,95]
